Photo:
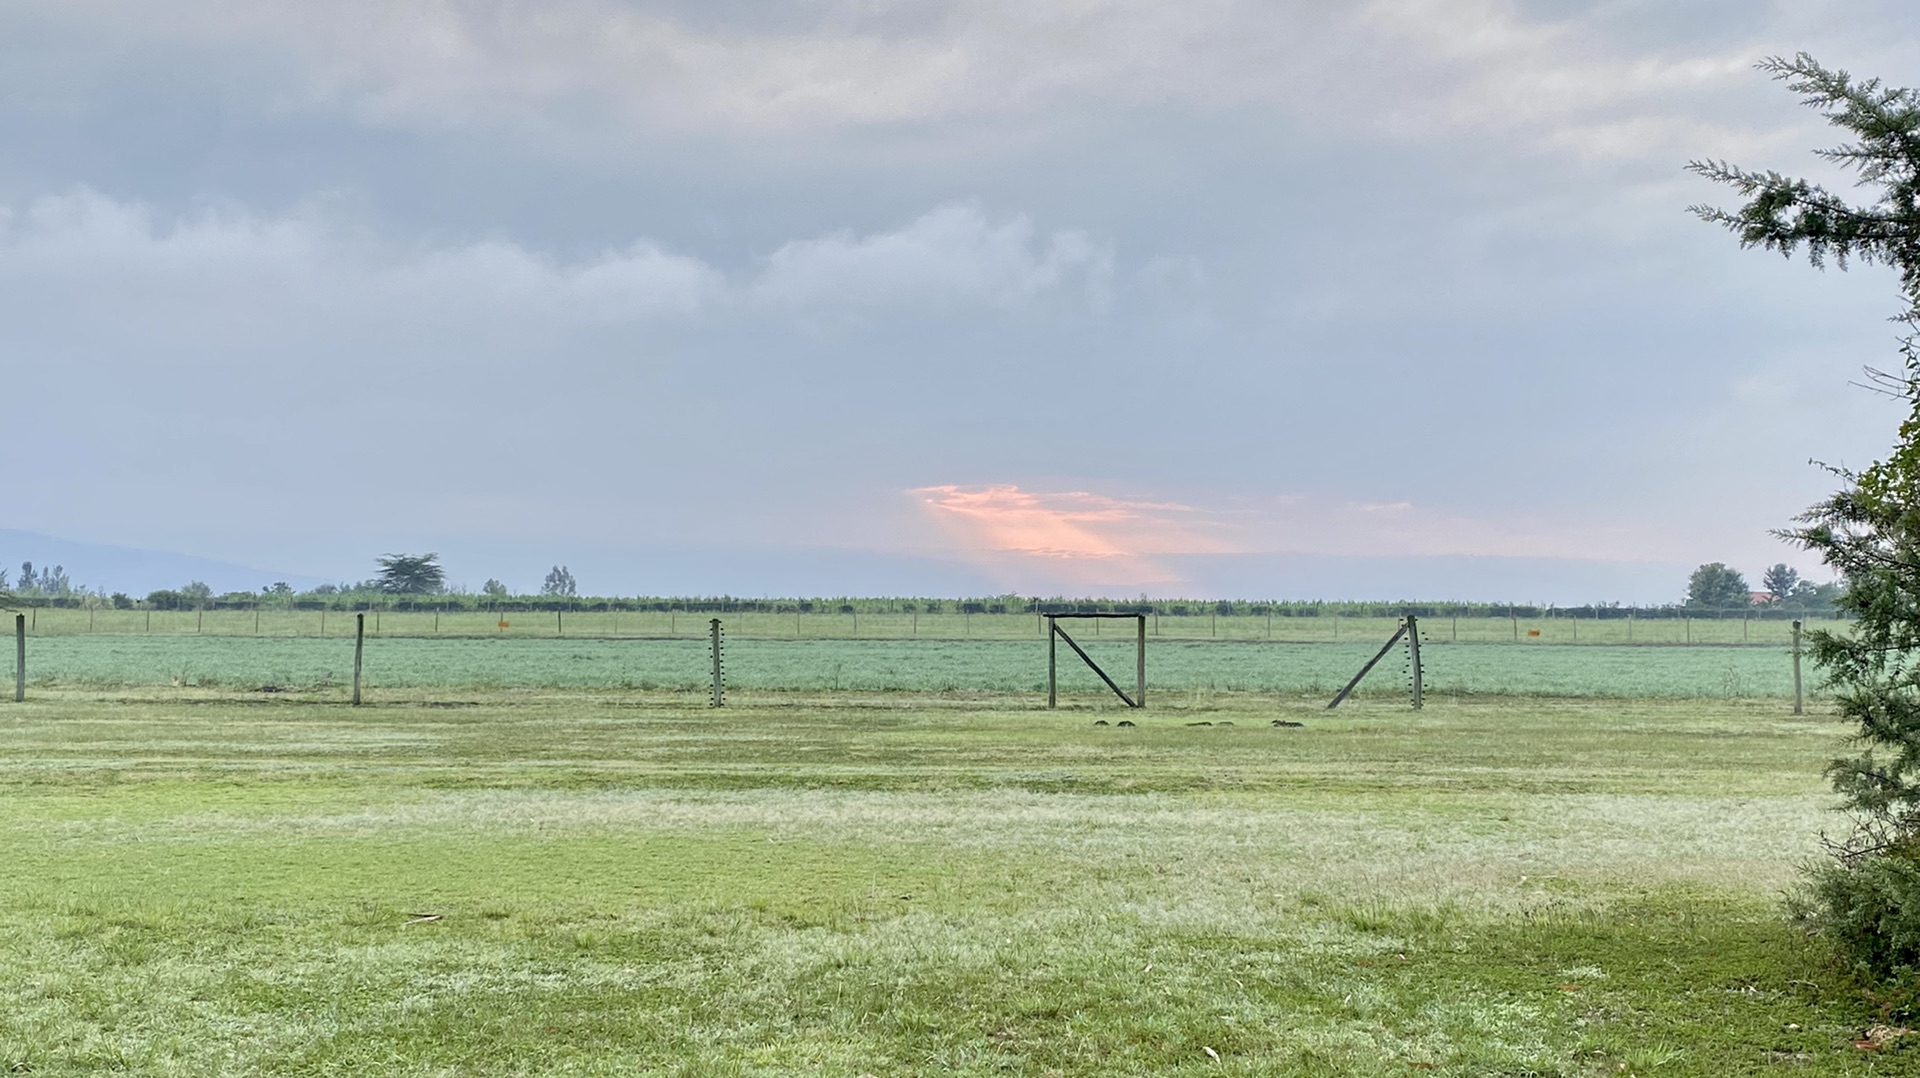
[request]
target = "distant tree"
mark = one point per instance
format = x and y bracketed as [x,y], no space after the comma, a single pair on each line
[1780,580]
[559,582]
[165,599]
[410,574]
[29,581]
[121,600]
[493,589]
[327,589]
[1715,587]
[195,591]
[279,589]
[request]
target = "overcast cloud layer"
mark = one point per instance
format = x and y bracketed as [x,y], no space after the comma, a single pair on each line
[1213,298]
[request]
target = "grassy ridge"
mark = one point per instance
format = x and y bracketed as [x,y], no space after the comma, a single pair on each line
[761,664]
[222,884]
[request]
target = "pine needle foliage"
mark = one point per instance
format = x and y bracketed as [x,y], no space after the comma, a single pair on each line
[1867,899]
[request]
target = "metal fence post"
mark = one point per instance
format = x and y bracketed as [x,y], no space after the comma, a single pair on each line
[359,649]
[19,657]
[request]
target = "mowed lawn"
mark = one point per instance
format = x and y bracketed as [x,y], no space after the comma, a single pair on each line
[199,882]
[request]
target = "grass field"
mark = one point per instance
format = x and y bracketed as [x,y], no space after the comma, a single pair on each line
[1176,667]
[221,883]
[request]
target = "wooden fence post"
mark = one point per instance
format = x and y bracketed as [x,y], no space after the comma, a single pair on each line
[1796,670]
[359,649]
[1140,663]
[1053,684]
[1413,657]
[19,658]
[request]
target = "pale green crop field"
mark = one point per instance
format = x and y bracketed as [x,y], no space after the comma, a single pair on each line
[218,882]
[821,625]
[1180,668]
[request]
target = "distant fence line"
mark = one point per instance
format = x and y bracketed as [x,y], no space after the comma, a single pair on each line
[588,622]
[469,604]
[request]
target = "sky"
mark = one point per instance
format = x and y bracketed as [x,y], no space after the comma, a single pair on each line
[1226,298]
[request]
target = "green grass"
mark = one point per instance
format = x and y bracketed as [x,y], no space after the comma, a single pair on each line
[919,666]
[205,882]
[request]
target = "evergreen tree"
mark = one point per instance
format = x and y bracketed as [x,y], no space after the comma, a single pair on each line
[1868,900]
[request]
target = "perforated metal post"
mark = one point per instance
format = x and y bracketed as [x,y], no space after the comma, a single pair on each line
[714,645]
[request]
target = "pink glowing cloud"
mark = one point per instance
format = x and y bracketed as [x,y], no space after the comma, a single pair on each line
[1080,537]
[1055,541]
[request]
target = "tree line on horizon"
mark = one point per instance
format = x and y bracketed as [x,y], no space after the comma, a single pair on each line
[419,582]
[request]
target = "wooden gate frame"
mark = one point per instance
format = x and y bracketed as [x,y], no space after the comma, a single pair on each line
[1056,633]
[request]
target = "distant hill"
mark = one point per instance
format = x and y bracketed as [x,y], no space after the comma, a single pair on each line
[132,570]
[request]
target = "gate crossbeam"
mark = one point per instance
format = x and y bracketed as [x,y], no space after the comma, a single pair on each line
[1055,632]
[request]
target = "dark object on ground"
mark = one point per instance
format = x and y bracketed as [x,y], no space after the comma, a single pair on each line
[1126,722]
[1101,722]
[1199,724]
[1284,722]
[1223,723]
[272,688]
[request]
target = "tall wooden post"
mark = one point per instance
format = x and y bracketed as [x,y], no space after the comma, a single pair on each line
[719,686]
[19,657]
[1796,670]
[1053,644]
[359,649]
[1413,657]
[1140,662]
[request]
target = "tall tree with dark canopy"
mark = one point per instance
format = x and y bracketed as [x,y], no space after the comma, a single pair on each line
[559,582]
[410,574]
[1867,901]
[1715,587]
[1779,581]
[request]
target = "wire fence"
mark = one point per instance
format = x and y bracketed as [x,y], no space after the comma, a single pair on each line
[985,654]
[1548,631]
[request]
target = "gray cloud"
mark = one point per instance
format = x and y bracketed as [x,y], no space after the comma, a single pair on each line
[657,276]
